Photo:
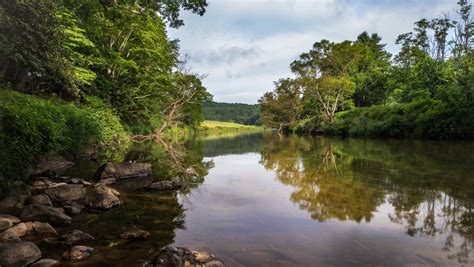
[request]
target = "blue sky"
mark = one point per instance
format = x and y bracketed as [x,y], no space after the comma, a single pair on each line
[245,45]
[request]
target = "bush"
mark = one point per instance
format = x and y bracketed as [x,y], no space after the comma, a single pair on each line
[31,127]
[424,118]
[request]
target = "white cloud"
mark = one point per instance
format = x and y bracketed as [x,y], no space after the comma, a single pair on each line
[245,45]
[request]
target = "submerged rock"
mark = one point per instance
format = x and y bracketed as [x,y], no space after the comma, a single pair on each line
[74,208]
[42,213]
[7,221]
[78,253]
[179,257]
[101,197]
[50,166]
[123,170]
[164,185]
[135,234]
[41,199]
[75,237]
[18,253]
[45,263]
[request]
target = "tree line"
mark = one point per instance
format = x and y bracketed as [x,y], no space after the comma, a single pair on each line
[231,112]
[358,88]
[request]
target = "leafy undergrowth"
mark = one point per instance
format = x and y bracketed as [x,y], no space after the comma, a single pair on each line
[31,127]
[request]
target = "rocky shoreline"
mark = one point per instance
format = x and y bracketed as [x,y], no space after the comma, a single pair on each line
[28,217]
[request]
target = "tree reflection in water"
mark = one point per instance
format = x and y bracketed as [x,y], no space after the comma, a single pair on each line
[427,184]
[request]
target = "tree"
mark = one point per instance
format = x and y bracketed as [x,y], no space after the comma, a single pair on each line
[32,56]
[183,100]
[280,109]
[324,74]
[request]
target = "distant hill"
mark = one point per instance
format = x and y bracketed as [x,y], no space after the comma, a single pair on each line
[232,112]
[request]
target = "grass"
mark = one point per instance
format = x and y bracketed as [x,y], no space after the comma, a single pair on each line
[226,128]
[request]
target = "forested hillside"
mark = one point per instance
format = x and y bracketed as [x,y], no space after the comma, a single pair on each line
[81,75]
[232,112]
[357,88]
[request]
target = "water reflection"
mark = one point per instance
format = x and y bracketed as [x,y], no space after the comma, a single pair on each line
[285,201]
[430,193]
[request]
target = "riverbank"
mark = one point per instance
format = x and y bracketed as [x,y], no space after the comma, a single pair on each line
[38,226]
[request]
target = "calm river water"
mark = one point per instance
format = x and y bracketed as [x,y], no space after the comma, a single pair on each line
[294,201]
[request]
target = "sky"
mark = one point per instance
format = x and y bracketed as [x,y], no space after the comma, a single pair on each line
[243,46]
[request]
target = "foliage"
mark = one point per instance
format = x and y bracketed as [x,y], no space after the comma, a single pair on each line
[355,88]
[31,127]
[231,112]
[32,57]
[280,109]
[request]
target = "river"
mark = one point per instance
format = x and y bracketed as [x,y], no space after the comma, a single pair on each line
[265,200]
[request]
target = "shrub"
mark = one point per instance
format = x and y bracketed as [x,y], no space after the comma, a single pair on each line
[31,127]
[423,118]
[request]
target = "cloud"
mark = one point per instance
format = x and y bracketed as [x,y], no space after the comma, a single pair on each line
[245,45]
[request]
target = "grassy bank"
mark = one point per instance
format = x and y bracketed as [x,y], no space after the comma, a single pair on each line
[220,128]
[31,127]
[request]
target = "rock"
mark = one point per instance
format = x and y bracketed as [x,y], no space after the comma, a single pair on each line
[14,201]
[135,234]
[15,232]
[123,170]
[74,208]
[51,166]
[7,221]
[102,197]
[45,263]
[179,256]
[44,229]
[164,185]
[18,253]
[107,181]
[41,199]
[66,192]
[75,237]
[78,253]
[42,213]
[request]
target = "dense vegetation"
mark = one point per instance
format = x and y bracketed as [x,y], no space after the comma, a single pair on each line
[82,74]
[358,88]
[232,112]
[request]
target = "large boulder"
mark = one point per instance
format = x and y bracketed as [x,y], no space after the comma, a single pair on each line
[18,253]
[75,237]
[123,170]
[7,221]
[179,257]
[15,232]
[77,253]
[14,201]
[42,213]
[66,193]
[41,199]
[51,166]
[44,229]
[101,197]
